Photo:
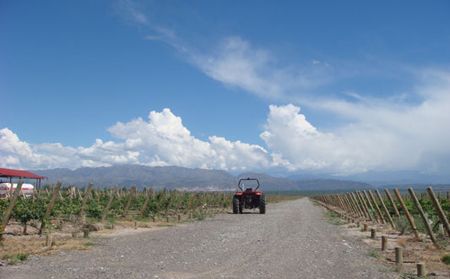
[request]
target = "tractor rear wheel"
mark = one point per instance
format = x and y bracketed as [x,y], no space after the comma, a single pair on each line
[262,204]
[235,205]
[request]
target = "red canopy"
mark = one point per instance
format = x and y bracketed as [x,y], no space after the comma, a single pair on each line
[19,174]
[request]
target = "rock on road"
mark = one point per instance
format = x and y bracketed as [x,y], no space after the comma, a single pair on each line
[293,240]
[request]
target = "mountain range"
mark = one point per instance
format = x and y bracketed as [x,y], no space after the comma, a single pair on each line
[186,178]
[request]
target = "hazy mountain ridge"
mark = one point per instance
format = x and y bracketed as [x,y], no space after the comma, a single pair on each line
[186,178]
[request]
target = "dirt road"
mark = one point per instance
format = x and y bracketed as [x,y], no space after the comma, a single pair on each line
[293,240]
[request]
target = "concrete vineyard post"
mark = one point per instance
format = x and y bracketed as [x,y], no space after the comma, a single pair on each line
[422,214]
[49,207]
[12,203]
[408,215]
[439,210]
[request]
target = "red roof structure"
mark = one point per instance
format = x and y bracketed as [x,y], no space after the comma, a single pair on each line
[19,174]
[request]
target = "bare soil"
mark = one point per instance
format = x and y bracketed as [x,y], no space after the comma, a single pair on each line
[293,240]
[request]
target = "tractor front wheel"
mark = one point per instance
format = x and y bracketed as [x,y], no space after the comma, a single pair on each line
[262,204]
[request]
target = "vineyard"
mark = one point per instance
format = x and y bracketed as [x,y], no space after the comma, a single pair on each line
[415,224]
[55,206]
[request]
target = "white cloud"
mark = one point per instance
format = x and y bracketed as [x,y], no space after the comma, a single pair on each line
[380,134]
[129,10]
[235,62]
[159,141]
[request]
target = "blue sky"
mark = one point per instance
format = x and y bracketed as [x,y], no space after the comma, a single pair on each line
[304,83]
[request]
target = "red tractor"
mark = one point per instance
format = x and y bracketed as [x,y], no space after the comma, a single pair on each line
[249,198]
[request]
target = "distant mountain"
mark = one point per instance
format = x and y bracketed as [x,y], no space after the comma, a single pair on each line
[399,178]
[306,184]
[142,176]
[186,178]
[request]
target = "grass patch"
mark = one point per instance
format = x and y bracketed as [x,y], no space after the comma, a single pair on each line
[374,254]
[446,259]
[334,218]
[199,215]
[15,258]
[89,244]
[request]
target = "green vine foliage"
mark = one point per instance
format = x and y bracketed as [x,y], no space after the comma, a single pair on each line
[68,205]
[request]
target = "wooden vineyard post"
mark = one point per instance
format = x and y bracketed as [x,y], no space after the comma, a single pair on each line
[369,206]
[353,205]
[373,233]
[383,243]
[356,205]
[351,209]
[399,257]
[377,207]
[342,204]
[364,204]
[439,210]
[130,198]
[422,214]
[359,203]
[108,205]
[421,271]
[408,215]
[12,203]
[365,227]
[394,206]
[84,203]
[49,207]
[386,211]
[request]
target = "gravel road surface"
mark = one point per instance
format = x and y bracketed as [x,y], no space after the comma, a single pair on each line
[293,240]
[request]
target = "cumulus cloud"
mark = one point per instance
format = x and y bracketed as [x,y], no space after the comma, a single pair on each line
[160,140]
[379,134]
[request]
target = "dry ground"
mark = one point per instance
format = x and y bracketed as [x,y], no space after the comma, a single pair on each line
[293,240]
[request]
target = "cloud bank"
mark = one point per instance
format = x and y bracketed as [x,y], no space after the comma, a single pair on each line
[379,135]
[160,140]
